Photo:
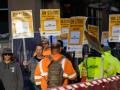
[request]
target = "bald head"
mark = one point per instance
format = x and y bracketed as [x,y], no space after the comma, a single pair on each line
[55,48]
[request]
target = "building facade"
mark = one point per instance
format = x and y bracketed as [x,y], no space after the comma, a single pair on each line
[97,11]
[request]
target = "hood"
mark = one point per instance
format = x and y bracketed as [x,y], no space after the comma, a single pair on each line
[107,54]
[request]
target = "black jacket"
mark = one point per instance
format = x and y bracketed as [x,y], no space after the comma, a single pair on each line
[67,55]
[10,76]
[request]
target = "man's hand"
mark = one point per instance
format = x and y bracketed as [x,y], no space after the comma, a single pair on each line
[25,64]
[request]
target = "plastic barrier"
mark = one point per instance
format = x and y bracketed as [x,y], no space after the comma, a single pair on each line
[111,83]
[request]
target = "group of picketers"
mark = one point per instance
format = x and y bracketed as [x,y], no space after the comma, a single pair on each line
[52,67]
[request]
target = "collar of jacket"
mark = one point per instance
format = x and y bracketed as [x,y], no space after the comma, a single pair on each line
[107,54]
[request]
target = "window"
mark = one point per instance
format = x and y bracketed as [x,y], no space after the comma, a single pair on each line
[4,16]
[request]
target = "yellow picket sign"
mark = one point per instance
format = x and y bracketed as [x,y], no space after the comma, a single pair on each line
[22,24]
[93,42]
[114,28]
[104,36]
[94,30]
[84,38]
[64,28]
[57,37]
[50,22]
[75,37]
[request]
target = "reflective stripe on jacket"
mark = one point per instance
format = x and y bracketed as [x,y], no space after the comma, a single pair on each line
[97,68]
[42,70]
[83,72]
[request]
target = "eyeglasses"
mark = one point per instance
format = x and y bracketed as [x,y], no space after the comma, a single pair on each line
[7,54]
[44,43]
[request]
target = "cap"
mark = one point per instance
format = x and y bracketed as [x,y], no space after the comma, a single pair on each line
[45,40]
[7,50]
[61,42]
[106,48]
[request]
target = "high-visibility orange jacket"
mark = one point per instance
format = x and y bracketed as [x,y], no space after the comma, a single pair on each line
[42,71]
[45,53]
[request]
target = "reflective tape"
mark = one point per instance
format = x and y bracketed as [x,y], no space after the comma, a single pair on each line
[63,63]
[38,83]
[38,77]
[65,75]
[42,73]
[84,74]
[94,78]
[84,71]
[72,76]
[83,68]
[101,71]
[46,73]
[109,69]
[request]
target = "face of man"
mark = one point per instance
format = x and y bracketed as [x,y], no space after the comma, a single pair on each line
[45,45]
[7,57]
[86,56]
[39,50]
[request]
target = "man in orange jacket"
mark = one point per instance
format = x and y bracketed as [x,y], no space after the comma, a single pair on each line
[41,72]
[46,50]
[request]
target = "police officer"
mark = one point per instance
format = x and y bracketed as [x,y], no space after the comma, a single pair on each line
[97,67]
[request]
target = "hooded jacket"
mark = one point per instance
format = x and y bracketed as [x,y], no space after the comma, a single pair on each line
[10,76]
[113,61]
[97,67]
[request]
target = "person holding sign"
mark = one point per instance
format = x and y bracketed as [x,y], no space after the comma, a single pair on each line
[46,50]
[10,72]
[97,67]
[31,65]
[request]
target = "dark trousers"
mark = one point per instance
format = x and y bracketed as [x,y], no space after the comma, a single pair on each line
[32,86]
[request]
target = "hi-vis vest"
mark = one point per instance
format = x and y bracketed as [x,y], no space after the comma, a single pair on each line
[83,72]
[41,72]
[97,68]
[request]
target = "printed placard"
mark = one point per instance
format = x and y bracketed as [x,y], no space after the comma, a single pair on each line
[75,36]
[114,28]
[22,24]
[105,37]
[50,22]
[94,30]
[93,42]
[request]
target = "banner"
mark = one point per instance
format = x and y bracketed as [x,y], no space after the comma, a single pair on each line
[30,44]
[22,24]
[75,36]
[114,28]
[105,37]
[94,30]
[50,22]
[93,42]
